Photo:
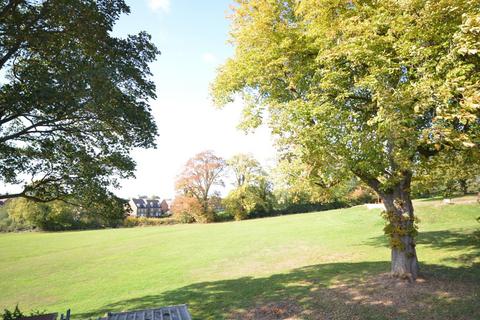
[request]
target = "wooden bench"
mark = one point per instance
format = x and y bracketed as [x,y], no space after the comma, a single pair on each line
[179,312]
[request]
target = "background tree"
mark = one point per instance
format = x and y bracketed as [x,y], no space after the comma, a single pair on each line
[452,175]
[25,214]
[242,201]
[375,89]
[200,175]
[296,182]
[187,209]
[245,168]
[252,191]
[298,188]
[73,100]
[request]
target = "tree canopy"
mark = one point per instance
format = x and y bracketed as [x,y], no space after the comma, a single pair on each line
[200,175]
[379,89]
[252,189]
[245,168]
[73,98]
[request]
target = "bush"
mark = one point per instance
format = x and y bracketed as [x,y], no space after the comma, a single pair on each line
[130,221]
[188,209]
[249,201]
[295,208]
[12,315]
[183,217]
[361,195]
[223,216]
[17,314]
[5,221]
[22,214]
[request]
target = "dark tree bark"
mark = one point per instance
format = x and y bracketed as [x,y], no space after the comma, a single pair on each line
[463,186]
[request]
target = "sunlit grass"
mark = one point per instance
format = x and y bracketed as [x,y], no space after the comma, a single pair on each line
[92,272]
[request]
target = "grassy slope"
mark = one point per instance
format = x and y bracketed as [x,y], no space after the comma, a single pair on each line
[224,269]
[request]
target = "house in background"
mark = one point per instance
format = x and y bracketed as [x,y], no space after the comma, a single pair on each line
[150,208]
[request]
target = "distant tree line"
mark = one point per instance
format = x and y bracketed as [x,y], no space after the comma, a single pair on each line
[288,188]
[24,214]
[254,192]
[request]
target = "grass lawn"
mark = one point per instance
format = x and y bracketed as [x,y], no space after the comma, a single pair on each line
[325,265]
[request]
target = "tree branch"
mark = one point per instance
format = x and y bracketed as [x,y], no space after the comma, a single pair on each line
[372,182]
[10,53]
[12,4]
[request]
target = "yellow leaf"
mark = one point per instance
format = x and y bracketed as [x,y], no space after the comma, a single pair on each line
[469,144]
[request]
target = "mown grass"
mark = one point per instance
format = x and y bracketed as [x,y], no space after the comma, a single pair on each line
[306,266]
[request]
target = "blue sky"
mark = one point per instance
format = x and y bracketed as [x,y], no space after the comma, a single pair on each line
[192,36]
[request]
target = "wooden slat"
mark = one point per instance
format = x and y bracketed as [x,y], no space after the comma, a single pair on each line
[179,312]
[187,314]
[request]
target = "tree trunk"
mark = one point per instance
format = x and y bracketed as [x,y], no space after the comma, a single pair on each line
[401,229]
[463,186]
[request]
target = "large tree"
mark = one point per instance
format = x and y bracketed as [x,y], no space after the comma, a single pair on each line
[73,98]
[200,175]
[374,88]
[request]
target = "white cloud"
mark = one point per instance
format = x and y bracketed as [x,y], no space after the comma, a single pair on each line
[159,5]
[209,57]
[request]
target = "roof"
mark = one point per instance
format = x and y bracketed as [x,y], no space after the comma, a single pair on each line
[50,316]
[147,203]
[179,312]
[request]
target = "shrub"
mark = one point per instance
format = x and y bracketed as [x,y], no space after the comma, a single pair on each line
[130,221]
[188,209]
[223,216]
[17,314]
[361,195]
[184,217]
[295,208]
[22,214]
[248,201]
[12,315]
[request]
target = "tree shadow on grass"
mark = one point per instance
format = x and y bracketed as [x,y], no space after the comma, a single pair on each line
[448,240]
[325,291]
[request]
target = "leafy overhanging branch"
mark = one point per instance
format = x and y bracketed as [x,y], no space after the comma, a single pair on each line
[76,100]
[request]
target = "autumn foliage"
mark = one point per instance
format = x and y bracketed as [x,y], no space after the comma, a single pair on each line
[194,186]
[187,209]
